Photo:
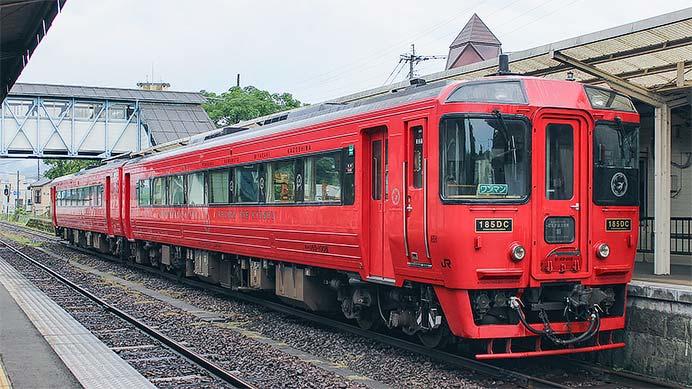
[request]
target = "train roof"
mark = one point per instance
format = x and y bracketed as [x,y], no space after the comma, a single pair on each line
[90,171]
[310,115]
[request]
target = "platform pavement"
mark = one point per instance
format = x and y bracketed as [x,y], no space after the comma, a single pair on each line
[42,346]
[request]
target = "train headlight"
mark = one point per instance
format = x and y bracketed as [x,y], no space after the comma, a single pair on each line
[603,250]
[518,252]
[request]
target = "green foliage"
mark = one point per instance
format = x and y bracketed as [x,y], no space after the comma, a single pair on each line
[63,167]
[246,103]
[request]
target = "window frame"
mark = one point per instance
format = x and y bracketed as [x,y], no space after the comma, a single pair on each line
[594,197]
[205,193]
[169,192]
[522,87]
[208,185]
[529,156]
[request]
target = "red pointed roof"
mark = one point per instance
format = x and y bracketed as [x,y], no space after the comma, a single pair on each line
[475,31]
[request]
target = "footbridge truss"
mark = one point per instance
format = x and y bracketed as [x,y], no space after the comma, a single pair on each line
[58,121]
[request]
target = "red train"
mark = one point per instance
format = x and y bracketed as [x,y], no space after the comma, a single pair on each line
[497,211]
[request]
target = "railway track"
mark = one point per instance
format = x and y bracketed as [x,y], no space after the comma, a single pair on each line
[500,370]
[214,370]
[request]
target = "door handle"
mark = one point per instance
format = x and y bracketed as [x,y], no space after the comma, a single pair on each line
[409,208]
[575,206]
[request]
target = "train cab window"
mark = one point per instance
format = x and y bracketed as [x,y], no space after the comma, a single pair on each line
[484,159]
[323,178]
[218,187]
[158,191]
[176,190]
[247,184]
[559,162]
[144,192]
[195,188]
[282,182]
[616,163]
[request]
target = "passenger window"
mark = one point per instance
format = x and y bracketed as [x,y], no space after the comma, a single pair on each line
[218,187]
[176,190]
[376,170]
[282,185]
[247,184]
[417,135]
[195,189]
[559,162]
[82,196]
[144,195]
[323,178]
[158,191]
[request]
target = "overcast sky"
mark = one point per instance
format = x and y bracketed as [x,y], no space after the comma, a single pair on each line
[315,50]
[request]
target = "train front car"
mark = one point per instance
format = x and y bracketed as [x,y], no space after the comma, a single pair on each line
[534,232]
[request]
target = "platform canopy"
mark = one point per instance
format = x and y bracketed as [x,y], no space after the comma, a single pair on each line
[650,58]
[23,24]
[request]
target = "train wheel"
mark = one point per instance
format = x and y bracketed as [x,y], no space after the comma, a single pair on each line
[437,338]
[369,319]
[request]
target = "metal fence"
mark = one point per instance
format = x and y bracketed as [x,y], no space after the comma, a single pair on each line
[680,235]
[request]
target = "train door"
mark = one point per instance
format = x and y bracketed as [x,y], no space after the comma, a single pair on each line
[561,196]
[107,202]
[377,198]
[414,176]
[54,205]
[125,206]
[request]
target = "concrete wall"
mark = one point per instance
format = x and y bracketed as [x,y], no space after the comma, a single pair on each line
[658,333]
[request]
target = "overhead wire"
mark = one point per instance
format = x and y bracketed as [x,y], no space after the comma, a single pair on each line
[374,64]
[379,53]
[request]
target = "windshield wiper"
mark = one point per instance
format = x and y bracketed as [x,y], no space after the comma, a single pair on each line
[511,145]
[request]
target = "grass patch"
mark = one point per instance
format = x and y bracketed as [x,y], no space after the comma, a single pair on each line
[21,239]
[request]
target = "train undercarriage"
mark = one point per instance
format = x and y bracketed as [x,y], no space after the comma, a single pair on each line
[413,309]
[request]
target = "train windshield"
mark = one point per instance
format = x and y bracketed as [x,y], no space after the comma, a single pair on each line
[484,159]
[616,164]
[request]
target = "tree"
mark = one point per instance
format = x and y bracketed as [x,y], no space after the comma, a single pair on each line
[63,167]
[246,103]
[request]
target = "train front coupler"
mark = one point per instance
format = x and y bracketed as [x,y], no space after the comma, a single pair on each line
[581,304]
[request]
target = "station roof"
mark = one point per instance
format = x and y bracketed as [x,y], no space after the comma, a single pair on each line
[654,53]
[40,183]
[23,24]
[103,93]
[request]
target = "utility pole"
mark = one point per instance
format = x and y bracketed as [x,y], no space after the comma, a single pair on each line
[16,197]
[237,80]
[414,59]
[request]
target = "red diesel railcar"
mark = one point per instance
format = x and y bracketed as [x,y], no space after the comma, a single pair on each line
[499,211]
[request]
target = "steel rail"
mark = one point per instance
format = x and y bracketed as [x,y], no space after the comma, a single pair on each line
[177,347]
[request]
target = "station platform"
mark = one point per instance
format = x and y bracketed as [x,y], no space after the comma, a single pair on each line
[42,346]
[658,331]
[679,274]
